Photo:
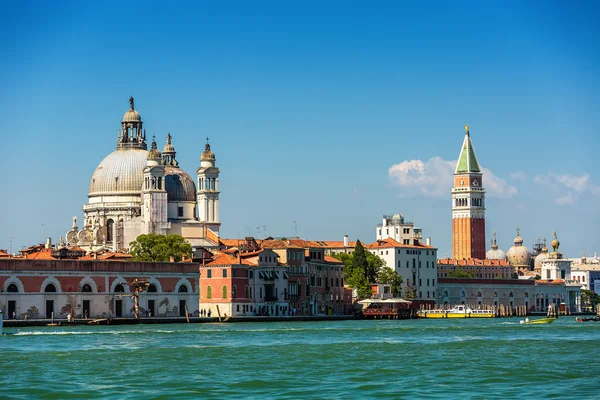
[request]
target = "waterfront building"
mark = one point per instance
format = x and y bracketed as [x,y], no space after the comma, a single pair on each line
[586,271]
[518,256]
[468,205]
[486,292]
[239,283]
[134,191]
[415,262]
[42,288]
[482,269]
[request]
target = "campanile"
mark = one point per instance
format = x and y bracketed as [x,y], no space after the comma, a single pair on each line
[468,205]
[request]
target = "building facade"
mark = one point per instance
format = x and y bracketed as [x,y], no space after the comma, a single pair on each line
[468,205]
[96,289]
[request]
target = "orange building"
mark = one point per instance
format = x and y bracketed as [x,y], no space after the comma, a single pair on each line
[468,205]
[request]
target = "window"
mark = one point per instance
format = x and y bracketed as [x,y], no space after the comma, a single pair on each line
[209,292]
[427,284]
[109,230]
[86,288]
[433,282]
[182,289]
[234,292]
[180,211]
[12,288]
[548,274]
[224,292]
[224,273]
[119,288]
[209,273]
[152,288]
[50,288]
[247,292]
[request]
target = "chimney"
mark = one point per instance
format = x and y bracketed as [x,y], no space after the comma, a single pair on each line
[171,259]
[345,240]
[428,241]
[48,243]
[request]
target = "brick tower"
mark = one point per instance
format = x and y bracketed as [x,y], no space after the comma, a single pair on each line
[468,205]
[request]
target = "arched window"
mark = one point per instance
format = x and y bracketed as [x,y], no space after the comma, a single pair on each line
[526,294]
[109,230]
[119,288]
[12,288]
[224,292]
[234,292]
[152,288]
[479,294]
[247,293]
[209,292]
[495,294]
[510,294]
[50,288]
[182,289]
[86,288]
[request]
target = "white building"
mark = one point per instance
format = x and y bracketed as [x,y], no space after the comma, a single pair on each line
[415,262]
[134,191]
[394,227]
[586,271]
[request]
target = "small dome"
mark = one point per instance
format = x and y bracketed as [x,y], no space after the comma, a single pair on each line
[207,154]
[132,116]
[154,154]
[397,218]
[537,263]
[169,148]
[518,239]
[180,186]
[122,171]
[495,254]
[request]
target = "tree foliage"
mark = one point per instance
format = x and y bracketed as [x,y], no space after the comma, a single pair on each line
[590,298]
[362,268]
[159,248]
[460,273]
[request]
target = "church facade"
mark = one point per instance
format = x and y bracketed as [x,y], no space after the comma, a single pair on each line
[136,191]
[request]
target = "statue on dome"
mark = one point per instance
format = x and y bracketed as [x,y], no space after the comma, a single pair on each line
[131,105]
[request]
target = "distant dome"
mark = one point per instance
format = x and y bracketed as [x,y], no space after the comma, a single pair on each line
[537,263]
[180,186]
[207,154]
[122,171]
[518,255]
[398,219]
[495,254]
[153,153]
[132,116]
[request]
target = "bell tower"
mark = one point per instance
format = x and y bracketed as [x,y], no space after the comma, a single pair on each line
[208,189]
[154,208]
[468,205]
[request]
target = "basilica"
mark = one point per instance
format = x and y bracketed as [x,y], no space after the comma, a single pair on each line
[136,191]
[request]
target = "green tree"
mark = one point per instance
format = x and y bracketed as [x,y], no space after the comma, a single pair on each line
[590,298]
[155,248]
[390,277]
[460,273]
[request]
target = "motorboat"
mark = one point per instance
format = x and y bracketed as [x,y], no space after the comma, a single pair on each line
[538,321]
[460,311]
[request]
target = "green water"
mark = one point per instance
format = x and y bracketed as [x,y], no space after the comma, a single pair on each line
[487,358]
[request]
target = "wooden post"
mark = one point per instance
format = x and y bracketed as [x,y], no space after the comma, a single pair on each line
[219,312]
[187,315]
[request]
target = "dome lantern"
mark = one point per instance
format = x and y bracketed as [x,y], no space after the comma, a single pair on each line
[132,136]
[169,153]
[207,154]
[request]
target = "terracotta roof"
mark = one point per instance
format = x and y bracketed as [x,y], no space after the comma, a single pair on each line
[550,282]
[391,243]
[4,254]
[279,244]
[333,260]
[108,256]
[43,254]
[332,244]
[227,259]
[473,262]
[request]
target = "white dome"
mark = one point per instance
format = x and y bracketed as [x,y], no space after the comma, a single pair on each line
[122,171]
[495,254]
[398,219]
[132,116]
[179,185]
[518,255]
[539,258]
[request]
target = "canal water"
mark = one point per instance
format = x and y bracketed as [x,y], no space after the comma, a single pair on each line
[477,359]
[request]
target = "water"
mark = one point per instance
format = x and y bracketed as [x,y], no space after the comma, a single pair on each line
[478,359]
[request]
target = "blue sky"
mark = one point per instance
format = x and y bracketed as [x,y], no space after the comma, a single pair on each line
[329,114]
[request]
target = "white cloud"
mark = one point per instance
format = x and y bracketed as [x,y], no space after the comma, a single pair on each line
[434,178]
[518,176]
[567,187]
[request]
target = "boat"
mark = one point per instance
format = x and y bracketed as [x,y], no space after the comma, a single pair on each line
[587,319]
[538,321]
[460,311]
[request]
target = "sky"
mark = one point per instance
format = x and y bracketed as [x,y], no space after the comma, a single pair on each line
[324,116]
